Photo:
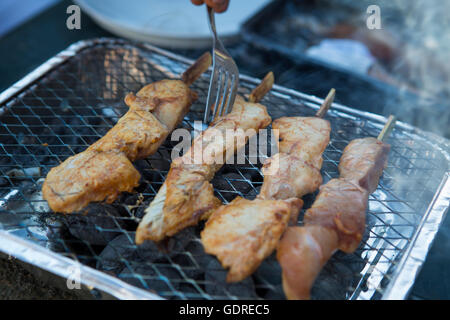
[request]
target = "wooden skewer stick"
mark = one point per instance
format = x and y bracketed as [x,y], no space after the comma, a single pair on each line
[261,90]
[326,104]
[195,70]
[387,128]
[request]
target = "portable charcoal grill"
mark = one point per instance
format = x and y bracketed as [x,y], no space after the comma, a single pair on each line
[74,98]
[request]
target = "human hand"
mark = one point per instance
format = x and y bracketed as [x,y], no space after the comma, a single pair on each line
[219,6]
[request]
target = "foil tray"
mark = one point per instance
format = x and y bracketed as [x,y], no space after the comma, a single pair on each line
[74,98]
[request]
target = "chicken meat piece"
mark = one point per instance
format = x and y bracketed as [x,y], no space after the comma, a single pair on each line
[303,135]
[243,233]
[341,206]
[98,176]
[363,162]
[295,171]
[301,253]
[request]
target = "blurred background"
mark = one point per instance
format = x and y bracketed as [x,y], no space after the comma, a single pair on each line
[311,46]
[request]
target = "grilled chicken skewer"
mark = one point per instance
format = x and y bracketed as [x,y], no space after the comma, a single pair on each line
[295,170]
[105,169]
[243,233]
[336,220]
[187,195]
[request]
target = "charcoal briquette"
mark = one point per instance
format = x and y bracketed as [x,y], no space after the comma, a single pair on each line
[231,181]
[268,272]
[178,242]
[97,227]
[274,293]
[216,285]
[110,259]
[188,267]
[158,283]
[149,251]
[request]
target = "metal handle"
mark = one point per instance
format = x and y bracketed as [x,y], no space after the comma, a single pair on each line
[212,21]
[212,25]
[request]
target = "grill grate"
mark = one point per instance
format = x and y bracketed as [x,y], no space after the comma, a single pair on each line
[78,101]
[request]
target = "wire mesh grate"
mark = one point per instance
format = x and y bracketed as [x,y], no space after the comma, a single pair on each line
[80,100]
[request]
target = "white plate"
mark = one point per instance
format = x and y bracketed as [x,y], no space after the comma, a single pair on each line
[168,23]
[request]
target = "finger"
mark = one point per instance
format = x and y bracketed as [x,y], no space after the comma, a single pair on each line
[219,6]
[197,2]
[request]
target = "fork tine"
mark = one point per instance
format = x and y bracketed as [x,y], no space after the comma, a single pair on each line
[225,79]
[217,91]
[224,94]
[211,91]
[232,95]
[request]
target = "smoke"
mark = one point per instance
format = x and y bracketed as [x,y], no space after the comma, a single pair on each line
[426,35]
[424,62]
[421,68]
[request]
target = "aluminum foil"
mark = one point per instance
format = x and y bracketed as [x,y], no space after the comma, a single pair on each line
[75,97]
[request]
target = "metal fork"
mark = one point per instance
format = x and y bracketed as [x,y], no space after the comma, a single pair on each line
[225,77]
